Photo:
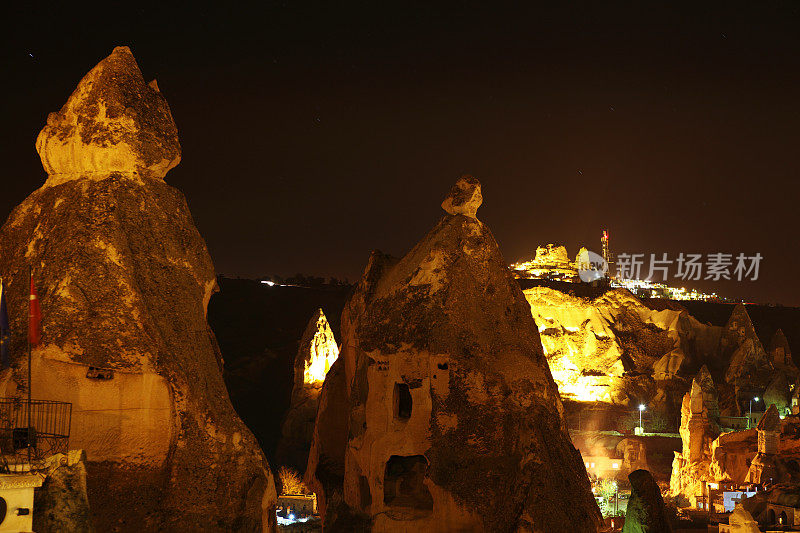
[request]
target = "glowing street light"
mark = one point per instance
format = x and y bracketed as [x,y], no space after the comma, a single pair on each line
[641,409]
[750,415]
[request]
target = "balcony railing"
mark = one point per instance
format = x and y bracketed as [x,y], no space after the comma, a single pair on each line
[31,431]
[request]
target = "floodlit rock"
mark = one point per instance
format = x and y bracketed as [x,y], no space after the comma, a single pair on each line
[602,348]
[552,255]
[124,280]
[465,197]
[453,421]
[61,503]
[731,455]
[113,122]
[742,521]
[581,347]
[317,353]
[690,467]
[645,512]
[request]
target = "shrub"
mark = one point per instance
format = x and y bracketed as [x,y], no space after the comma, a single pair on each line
[290,481]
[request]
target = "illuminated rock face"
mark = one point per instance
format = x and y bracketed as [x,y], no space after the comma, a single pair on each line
[552,255]
[113,122]
[453,420]
[591,343]
[318,351]
[124,280]
[698,429]
[581,348]
[595,345]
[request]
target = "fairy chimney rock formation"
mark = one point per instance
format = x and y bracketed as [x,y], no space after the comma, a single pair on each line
[317,353]
[749,366]
[781,356]
[699,427]
[766,466]
[779,349]
[699,406]
[465,197]
[454,422]
[124,280]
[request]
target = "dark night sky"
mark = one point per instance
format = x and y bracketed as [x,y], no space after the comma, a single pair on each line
[313,133]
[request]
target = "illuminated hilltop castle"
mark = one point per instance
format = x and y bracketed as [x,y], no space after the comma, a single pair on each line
[552,263]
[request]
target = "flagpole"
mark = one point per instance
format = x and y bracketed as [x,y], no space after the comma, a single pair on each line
[30,284]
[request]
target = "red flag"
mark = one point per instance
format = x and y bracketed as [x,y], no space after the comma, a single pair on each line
[35,318]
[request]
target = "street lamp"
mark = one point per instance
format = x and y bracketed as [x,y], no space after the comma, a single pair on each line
[641,408]
[750,415]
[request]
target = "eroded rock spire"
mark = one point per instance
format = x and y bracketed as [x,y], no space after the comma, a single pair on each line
[464,198]
[441,413]
[113,122]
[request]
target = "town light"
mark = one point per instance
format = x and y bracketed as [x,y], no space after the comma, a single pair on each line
[641,409]
[750,415]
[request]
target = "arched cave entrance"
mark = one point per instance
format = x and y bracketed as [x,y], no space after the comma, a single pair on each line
[403,483]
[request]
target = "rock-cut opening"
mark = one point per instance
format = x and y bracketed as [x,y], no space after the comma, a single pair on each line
[403,403]
[403,483]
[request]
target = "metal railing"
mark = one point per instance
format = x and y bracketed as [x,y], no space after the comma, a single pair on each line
[31,431]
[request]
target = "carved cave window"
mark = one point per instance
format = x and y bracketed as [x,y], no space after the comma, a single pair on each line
[101,374]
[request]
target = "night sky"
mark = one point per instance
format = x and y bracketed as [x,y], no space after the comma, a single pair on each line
[314,133]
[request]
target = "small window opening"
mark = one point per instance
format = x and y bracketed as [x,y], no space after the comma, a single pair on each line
[103,374]
[402,401]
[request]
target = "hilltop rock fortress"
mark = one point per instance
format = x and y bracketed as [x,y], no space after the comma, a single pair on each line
[124,280]
[317,353]
[441,413]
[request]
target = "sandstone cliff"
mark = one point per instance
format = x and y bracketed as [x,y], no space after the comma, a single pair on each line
[124,280]
[453,419]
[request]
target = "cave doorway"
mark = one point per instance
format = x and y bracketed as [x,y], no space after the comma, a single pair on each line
[771,517]
[403,403]
[404,483]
